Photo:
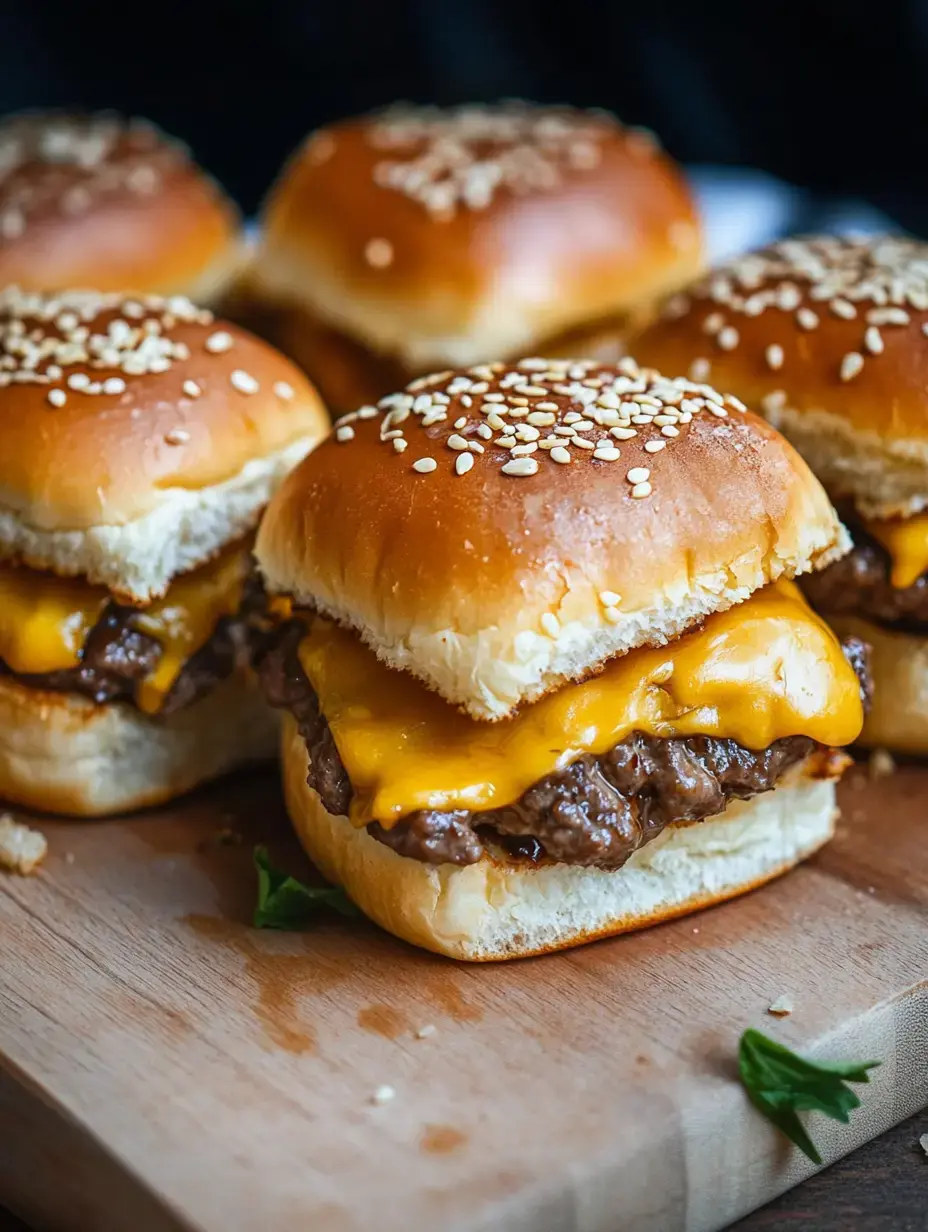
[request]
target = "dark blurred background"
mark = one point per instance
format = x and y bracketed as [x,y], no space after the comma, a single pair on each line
[827,95]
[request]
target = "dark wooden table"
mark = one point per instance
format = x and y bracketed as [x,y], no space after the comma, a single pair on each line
[881,1188]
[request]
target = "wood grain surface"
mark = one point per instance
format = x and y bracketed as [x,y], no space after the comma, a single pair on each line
[163,1066]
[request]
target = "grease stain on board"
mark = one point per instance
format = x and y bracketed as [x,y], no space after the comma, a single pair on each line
[383,1020]
[441,1140]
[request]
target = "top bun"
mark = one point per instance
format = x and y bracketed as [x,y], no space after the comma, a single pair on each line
[442,237]
[502,530]
[99,201]
[828,337]
[138,435]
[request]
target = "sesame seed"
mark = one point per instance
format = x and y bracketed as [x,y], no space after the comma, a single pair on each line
[383,1095]
[851,365]
[640,490]
[873,340]
[219,342]
[670,430]
[623,434]
[57,397]
[244,382]
[606,453]
[192,389]
[520,467]
[283,390]
[461,423]
[612,614]
[638,474]
[727,338]
[580,442]
[654,446]
[774,355]
[560,454]
[807,319]
[700,369]
[523,451]
[713,323]
[378,253]
[608,598]
[457,442]
[425,465]
[463,462]
[426,1031]
[400,444]
[550,624]
[843,308]
[176,436]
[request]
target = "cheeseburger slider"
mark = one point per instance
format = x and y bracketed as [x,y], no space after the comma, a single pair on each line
[98,201]
[828,337]
[544,624]
[419,238]
[139,442]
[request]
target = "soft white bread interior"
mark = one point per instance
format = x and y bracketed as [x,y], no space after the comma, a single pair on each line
[60,753]
[498,908]
[500,579]
[138,435]
[898,716]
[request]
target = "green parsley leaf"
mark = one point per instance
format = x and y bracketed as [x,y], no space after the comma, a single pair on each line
[287,904]
[780,1084]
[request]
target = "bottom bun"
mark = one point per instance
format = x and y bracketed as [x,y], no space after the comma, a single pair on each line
[499,908]
[61,753]
[898,717]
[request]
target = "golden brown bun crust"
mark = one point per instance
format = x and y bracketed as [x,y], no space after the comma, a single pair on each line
[587,218]
[106,458]
[502,909]
[888,396]
[452,574]
[97,201]
[60,753]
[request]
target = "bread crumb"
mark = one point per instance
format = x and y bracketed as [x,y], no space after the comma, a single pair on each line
[781,1007]
[383,1095]
[923,1143]
[426,1031]
[22,850]
[881,764]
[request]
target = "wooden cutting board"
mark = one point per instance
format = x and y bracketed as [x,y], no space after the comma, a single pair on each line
[165,1067]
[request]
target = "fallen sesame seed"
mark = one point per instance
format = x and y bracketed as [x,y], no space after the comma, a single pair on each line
[383,1095]
[774,356]
[654,446]
[426,1031]
[638,474]
[285,391]
[176,436]
[244,382]
[640,490]
[851,365]
[463,462]
[425,465]
[344,433]
[727,338]
[873,340]
[559,454]
[192,389]
[221,341]
[520,467]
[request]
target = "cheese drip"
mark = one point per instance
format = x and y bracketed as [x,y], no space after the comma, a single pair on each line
[906,541]
[765,669]
[45,620]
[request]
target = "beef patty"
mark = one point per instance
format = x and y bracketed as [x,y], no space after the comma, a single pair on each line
[596,812]
[117,656]
[859,584]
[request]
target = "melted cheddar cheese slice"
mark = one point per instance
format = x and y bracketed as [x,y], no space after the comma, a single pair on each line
[768,668]
[45,620]
[906,541]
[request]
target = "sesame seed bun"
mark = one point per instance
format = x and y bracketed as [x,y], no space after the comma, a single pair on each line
[61,753]
[443,237]
[631,507]
[99,201]
[827,337]
[500,908]
[138,436]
